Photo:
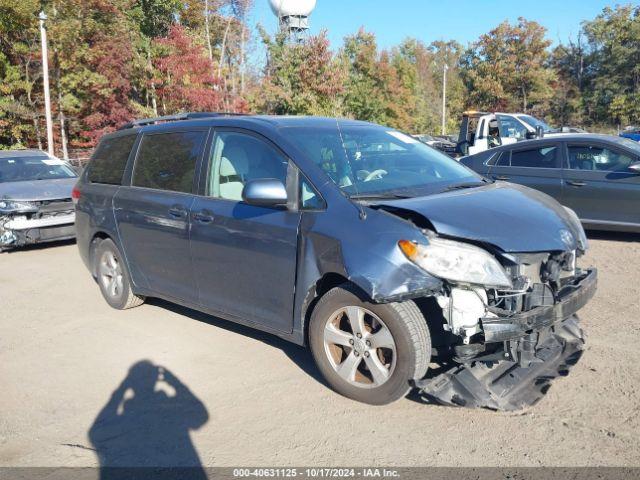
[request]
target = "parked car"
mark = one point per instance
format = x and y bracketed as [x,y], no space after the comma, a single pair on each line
[632,133]
[598,176]
[378,252]
[440,143]
[35,198]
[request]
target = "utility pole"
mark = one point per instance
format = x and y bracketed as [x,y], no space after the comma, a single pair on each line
[45,80]
[444,97]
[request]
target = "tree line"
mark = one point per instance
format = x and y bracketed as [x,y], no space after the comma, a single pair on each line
[114,60]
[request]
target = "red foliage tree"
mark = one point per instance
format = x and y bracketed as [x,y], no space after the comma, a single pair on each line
[185,79]
[110,105]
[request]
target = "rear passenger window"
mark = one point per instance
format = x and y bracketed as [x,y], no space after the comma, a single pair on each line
[110,159]
[167,161]
[544,157]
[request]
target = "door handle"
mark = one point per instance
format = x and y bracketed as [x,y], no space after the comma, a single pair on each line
[203,216]
[501,177]
[576,184]
[177,211]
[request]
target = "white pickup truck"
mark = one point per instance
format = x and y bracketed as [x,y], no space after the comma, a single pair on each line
[480,131]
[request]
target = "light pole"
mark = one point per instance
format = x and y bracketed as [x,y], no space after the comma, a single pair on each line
[444,97]
[45,80]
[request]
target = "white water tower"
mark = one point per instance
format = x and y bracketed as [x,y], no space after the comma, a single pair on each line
[293,16]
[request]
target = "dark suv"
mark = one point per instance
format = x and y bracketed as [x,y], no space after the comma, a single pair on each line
[376,250]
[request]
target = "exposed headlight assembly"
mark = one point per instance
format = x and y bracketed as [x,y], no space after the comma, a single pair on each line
[583,243]
[457,262]
[10,206]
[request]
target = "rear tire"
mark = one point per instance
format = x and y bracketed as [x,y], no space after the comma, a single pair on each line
[389,344]
[113,277]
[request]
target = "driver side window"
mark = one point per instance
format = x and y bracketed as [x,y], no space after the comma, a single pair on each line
[237,158]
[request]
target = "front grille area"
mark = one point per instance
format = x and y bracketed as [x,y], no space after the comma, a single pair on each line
[61,205]
[48,208]
[537,279]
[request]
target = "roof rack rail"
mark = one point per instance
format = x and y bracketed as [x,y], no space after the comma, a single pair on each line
[173,118]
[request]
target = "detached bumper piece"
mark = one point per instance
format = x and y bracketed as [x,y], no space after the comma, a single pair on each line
[505,384]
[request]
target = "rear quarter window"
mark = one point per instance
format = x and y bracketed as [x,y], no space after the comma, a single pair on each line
[110,159]
[493,158]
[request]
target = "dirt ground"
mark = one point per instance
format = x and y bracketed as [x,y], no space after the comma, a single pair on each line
[232,397]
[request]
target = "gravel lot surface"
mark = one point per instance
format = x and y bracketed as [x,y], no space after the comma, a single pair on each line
[231,396]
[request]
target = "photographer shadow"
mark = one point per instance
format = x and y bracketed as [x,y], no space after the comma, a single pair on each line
[146,424]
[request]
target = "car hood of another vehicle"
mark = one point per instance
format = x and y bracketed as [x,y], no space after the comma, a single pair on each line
[37,190]
[511,217]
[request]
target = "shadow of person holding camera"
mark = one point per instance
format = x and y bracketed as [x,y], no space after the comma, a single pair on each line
[147,423]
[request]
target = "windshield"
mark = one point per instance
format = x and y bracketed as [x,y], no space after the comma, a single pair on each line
[425,138]
[19,169]
[626,142]
[535,122]
[376,161]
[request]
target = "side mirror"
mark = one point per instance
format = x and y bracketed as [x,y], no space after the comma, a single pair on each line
[530,135]
[265,192]
[539,131]
[635,167]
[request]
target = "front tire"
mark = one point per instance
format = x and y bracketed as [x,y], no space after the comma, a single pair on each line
[113,277]
[366,351]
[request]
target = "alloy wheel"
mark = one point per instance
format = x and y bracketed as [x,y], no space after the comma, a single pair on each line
[111,275]
[360,347]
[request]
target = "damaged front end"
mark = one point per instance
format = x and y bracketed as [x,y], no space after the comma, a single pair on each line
[28,222]
[504,344]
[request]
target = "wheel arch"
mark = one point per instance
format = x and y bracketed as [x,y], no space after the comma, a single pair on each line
[325,283]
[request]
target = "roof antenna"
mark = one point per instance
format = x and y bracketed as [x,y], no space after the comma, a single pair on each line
[361,211]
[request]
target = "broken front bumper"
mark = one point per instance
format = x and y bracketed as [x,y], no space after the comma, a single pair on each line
[571,299]
[18,230]
[539,346]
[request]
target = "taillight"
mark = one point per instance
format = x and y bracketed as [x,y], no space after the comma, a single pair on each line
[75,194]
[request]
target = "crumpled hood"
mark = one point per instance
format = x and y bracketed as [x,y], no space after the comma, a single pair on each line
[511,217]
[38,189]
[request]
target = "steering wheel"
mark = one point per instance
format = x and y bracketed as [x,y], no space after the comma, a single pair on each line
[376,175]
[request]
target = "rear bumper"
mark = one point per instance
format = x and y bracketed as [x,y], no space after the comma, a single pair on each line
[572,299]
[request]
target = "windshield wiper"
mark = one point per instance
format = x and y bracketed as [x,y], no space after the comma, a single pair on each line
[378,196]
[460,186]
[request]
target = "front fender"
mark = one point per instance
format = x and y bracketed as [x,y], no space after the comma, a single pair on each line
[363,251]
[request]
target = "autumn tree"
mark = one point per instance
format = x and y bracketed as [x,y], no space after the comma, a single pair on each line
[91,41]
[568,62]
[506,69]
[20,75]
[420,68]
[612,89]
[155,17]
[300,78]
[114,60]
[379,86]
[363,99]
[185,80]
